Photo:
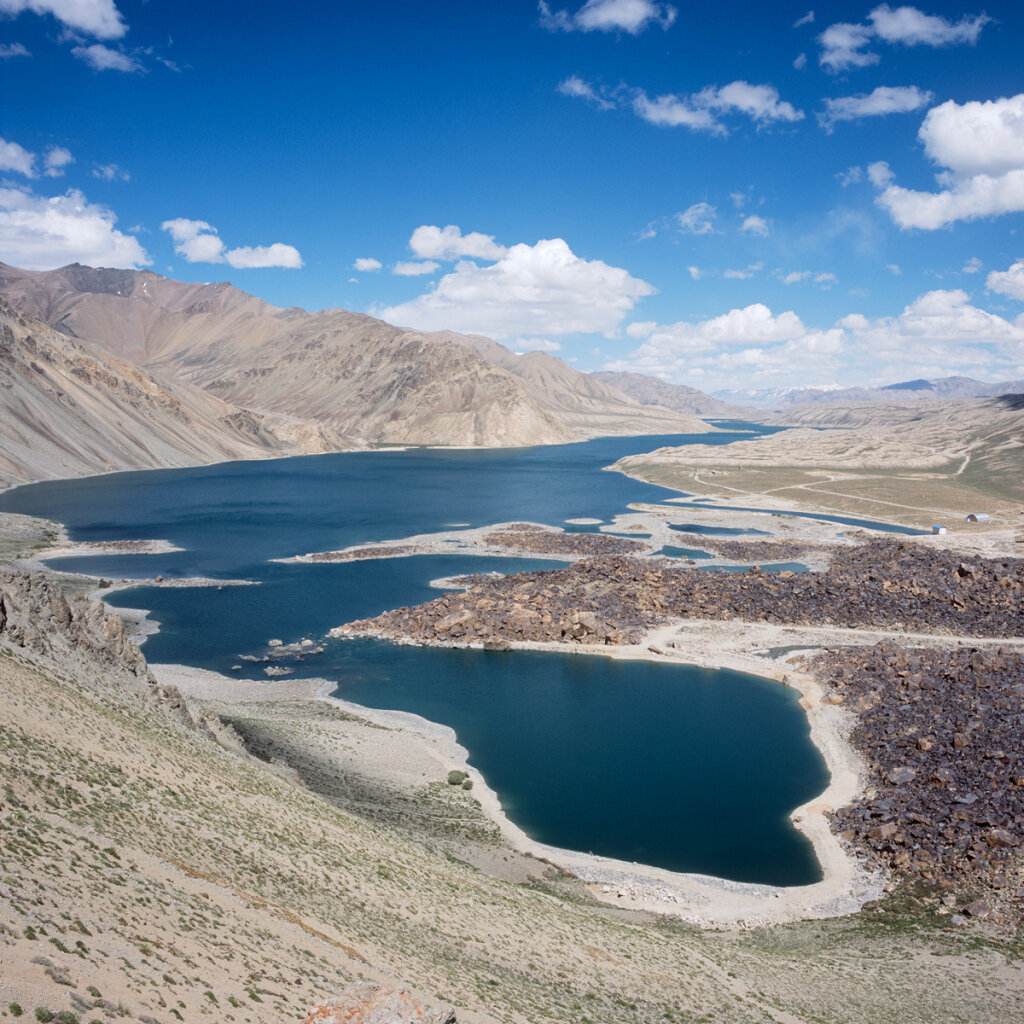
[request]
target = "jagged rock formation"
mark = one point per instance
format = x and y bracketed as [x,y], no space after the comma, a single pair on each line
[354,374]
[679,397]
[68,409]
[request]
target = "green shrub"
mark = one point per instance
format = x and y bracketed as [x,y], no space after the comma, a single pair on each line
[15,1008]
[456,778]
[467,783]
[44,1015]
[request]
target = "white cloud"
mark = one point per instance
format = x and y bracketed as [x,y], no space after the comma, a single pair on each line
[56,159]
[41,233]
[199,242]
[632,16]
[414,268]
[880,174]
[894,269]
[911,27]
[800,61]
[844,45]
[429,242]
[755,225]
[98,18]
[972,266]
[367,264]
[110,172]
[276,255]
[534,345]
[577,87]
[850,176]
[698,219]
[1008,282]
[532,290]
[979,196]
[807,19]
[884,100]
[824,278]
[699,111]
[738,275]
[13,50]
[939,333]
[976,137]
[15,158]
[103,58]
[695,272]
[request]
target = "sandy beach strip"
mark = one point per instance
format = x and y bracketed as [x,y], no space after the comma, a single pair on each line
[698,899]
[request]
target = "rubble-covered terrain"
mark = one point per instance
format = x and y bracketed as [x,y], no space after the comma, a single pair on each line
[942,732]
[616,600]
[538,540]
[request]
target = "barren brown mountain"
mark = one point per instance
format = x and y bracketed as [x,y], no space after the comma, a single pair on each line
[68,408]
[359,376]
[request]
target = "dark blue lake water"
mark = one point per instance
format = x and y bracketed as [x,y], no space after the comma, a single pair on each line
[678,767]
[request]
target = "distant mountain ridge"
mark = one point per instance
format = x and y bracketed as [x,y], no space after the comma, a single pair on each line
[350,373]
[909,391]
[680,397]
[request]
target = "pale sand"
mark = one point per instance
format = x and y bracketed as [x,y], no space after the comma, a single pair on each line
[703,900]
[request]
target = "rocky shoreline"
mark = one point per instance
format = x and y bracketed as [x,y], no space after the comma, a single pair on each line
[940,727]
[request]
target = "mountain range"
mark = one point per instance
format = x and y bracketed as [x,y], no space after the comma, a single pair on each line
[347,376]
[903,391]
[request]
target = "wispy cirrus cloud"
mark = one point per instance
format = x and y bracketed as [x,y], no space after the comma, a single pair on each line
[845,45]
[632,16]
[884,100]
[198,242]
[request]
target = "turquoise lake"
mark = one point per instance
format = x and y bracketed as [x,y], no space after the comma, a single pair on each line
[682,768]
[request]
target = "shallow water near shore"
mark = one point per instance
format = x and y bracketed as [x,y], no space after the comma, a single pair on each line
[680,768]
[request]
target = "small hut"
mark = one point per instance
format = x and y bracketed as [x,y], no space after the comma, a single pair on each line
[936,529]
[979,517]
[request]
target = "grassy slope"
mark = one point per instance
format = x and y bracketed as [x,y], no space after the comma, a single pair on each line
[228,880]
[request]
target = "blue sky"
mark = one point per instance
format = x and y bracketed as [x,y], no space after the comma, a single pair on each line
[748,195]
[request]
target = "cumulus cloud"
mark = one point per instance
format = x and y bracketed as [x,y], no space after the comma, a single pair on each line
[103,58]
[698,219]
[41,233]
[699,111]
[695,273]
[367,264]
[276,255]
[972,266]
[415,268]
[900,99]
[850,176]
[939,333]
[522,345]
[980,145]
[56,159]
[845,45]
[823,278]
[98,18]
[632,16]
[429,242]
[531,290]
[13,50]
[754,225]
[16,158]
[199,242]
[1008,282]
